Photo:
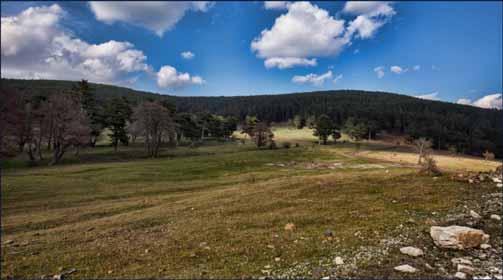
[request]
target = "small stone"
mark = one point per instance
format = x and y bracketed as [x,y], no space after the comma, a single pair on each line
[58,277]
[6,242]
[499,185]
[475,215]
[411,251]
[290,226]
[485,246]
[405,268]
[147,250]
[277,259]
[110,271]
[328,233]
[70,271]
[460,275]
[338,261]
[466,269]
[496,217]
[326,278]
[270,246]
[428,266]
[464,261]
[496,180]
[267,266]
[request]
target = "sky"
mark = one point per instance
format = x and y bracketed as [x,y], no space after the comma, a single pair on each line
[449,51]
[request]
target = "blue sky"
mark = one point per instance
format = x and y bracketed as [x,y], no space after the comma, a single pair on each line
[438,50]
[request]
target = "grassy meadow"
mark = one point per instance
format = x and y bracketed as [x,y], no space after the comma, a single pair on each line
[220,210]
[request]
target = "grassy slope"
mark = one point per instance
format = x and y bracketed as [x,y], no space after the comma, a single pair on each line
[150,217]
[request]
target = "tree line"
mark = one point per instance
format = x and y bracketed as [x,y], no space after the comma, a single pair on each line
[73,119]
[460,128]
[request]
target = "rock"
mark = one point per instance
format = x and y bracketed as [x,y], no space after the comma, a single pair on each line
[496,180]
[428,266]
[328,233]
[146,251]
[485,246]
[475,215]
[495,217]
[338,261]
[326,278]
[466,269]
[405,268]
[290,226]
[411,251]
[457,237]
[270,246]
[277,259]
[267,266]
[460,275]
[499,185]
[464,261]
[58,277]
[69,271]
[6,242]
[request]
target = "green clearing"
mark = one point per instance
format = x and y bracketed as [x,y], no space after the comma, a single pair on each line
[214,211]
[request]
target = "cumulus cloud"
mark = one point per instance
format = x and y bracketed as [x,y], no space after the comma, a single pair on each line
[156,16]
[314,79]
[34,45]
[276,5]
[337,78]
[169,77]
[288,62]
[397,69]
[306,32]
[489,101]
[429,96]
[188,55]
[379,70]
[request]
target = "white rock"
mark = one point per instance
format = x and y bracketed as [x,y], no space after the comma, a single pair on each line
[464,261]
[405,268]
[325,278]
[338,261]
[466,269]
[460,275]
[411,251]
[457,237]
[496,180]
[475,215]
[485,246]
[495,217]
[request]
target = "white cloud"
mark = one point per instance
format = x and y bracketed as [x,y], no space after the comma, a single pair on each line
[397,69]
[188,55]
[156,16]
[34,45]
[337,78]
[288,62]
[371,15]
[314,79]
[379,70]
[416,67]
[429,96]
[169,77]
[489,101]
[304,32]
[276,5]
[464,101]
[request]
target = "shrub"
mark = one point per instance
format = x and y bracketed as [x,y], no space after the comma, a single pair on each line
[488,155]
[429,166]
[286,145]
[297,145]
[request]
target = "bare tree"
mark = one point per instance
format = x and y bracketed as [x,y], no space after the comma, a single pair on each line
[422,146]
[12,120]
[70,125]
[156,123]
[134,129]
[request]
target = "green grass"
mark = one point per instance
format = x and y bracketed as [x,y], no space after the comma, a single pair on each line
[101,212]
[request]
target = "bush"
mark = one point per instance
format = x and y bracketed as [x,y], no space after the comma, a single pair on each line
[429,166]
[286,145]
[488,155]
[297,145]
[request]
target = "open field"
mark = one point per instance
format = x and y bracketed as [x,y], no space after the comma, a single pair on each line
[220,210]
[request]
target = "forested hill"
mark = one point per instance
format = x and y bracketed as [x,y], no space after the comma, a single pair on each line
[465,128]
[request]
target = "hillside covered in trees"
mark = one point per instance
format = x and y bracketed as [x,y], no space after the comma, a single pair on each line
[460,128]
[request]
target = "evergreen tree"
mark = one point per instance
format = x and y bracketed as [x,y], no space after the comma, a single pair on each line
[118,113]
[92,108]
[323,128]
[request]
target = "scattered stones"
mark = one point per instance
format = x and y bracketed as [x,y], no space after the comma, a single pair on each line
[485,246]
[405,268]
[495,217]
[411,251]
[338,261]
[466,269]
[475,215]
[290,226]
[457,237]
[460,275]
